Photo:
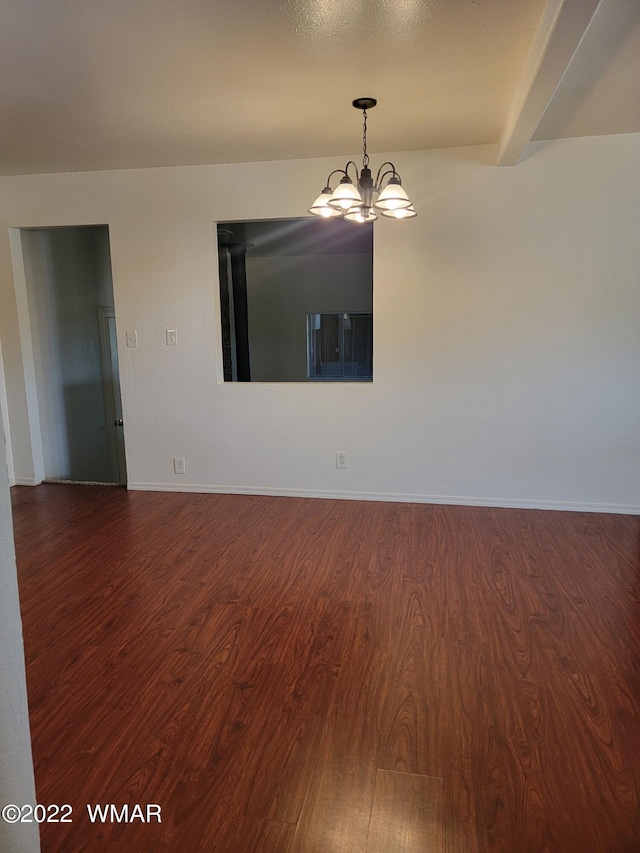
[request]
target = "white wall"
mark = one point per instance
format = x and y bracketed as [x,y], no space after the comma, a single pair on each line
[506,335]
[17,784]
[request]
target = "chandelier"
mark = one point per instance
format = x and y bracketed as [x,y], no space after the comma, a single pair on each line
[353,199]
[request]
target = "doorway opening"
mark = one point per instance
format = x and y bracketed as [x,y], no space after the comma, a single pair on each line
[69,289]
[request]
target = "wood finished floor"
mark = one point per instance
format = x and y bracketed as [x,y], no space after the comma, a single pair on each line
[323,676]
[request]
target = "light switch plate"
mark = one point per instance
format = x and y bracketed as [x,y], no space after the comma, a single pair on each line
[172,338]
[132,339]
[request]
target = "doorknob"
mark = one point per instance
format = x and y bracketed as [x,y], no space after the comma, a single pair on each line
[118,422]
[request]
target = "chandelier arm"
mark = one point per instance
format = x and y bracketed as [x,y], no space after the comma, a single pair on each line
[335,172]
[346,170]
[384,175]
[392,170]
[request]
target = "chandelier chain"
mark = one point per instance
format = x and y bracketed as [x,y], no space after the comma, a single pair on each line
[365,156]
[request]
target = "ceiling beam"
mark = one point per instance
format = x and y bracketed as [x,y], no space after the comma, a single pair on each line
[563,26]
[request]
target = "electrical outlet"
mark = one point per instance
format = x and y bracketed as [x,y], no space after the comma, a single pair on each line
[178,465]
[341,458]
[132,339]
[172,338]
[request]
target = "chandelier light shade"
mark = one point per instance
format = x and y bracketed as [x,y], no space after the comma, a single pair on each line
[321,206]
[392,197]
[360,214]
[345,195]
[400,213]
[353,198]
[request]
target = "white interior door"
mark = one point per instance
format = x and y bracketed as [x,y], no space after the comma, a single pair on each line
[113,400]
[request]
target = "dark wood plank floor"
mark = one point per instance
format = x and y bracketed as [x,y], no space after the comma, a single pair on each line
[285,674]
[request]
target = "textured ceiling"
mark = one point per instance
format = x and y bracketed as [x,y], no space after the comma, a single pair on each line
[104,84]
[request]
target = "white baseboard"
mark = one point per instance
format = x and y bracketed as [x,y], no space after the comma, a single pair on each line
[458,500]
[24,481]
